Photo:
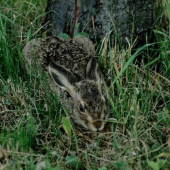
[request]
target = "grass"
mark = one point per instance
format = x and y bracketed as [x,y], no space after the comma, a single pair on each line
[35,130]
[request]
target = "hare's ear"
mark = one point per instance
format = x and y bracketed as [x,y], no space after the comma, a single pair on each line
[63,78]
[92,72]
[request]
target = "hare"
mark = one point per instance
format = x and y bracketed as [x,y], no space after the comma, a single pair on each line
[72,65]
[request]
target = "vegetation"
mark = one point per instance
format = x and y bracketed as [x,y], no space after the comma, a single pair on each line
[35,131]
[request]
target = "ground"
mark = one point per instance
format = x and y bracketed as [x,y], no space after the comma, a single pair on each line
[37,133]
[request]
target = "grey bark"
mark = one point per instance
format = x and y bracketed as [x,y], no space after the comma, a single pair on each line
[99,17]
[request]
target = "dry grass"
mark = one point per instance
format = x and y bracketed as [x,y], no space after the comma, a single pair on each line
[32,134]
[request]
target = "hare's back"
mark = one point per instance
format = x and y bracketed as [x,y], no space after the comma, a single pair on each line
[71,54]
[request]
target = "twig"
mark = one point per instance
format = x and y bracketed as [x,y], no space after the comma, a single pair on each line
[146,73]
[75,17]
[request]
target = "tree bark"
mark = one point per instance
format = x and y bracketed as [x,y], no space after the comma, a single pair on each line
[118,18]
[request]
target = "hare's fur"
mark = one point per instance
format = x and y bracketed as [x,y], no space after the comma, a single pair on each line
[73,68]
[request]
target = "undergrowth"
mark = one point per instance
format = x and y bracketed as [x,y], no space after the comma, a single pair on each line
[35,131]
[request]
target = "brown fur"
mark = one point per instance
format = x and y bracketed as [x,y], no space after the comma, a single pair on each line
[73,67]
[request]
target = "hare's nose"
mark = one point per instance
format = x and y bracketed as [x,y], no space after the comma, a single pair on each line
[99,125]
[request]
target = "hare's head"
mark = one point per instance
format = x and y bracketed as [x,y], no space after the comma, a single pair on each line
[88,107]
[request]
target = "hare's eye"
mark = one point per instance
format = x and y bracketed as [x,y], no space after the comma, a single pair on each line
[82,109]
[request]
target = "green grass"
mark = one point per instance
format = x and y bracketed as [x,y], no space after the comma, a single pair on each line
[35,130]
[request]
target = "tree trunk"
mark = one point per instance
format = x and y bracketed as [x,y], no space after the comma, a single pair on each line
[121,18]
